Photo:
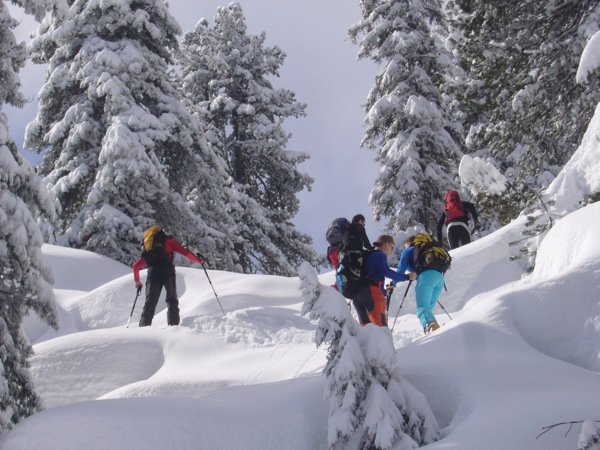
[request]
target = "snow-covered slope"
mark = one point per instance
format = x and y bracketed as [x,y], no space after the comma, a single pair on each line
[518,355]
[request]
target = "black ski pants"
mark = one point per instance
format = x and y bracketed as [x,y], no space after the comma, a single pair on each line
[458,234]
[153,290]
[370,305]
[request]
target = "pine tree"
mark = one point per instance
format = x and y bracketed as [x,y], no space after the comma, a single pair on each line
[24,277]
[225,80]
[123,153]
[523,107]
[371,405]
[408,125]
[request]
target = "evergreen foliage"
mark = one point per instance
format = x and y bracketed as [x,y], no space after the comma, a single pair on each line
[371,406]
[408,124]
[122,152]
[24,277]
[520,101]
[225,81]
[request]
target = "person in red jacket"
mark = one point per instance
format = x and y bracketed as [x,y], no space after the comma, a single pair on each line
[158,256]
[456,218]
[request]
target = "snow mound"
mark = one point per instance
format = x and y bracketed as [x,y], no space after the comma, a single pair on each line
[81,270]
[569,246]
[580,177]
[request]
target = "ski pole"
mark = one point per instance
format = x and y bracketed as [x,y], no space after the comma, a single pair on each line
[442,306]
[213,288]
[133,307]
[401,303]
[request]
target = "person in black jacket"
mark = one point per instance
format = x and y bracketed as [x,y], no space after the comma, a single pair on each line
[357,238]
[158,254]
[456,218]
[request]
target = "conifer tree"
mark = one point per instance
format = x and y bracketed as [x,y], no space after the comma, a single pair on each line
[122,152]
[521,103]
[24,277]
[407,123]
[225,80]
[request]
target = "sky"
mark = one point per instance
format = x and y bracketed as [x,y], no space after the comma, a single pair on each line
[322,69]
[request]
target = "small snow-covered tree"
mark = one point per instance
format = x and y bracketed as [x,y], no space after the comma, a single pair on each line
[408,125]
[24,277]
[371,405]
[225,81]
[122,152]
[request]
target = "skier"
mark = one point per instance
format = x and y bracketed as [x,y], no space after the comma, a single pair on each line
[370,300]
[357,234]
[456,218]
[430,283]
[158,256]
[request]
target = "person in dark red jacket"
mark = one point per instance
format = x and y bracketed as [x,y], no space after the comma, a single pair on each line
[456,218]
[161,273]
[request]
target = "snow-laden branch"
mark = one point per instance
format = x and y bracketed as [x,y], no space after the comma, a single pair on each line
[480,176]
[590,59]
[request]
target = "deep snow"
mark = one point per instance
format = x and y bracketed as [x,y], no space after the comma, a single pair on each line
[520,353]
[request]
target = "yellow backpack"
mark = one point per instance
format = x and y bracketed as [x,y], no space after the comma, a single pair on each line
[429,254]
[154,236]
[153,251]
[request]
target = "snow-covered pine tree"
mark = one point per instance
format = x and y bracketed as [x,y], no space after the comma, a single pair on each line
[522,105]
[225,81]
[24,277]
[122,151]
[407,123]
[371,405]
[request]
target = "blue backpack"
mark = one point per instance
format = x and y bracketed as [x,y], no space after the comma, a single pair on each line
[337,231]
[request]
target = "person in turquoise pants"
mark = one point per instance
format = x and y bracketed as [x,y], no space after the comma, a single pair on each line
[430,283]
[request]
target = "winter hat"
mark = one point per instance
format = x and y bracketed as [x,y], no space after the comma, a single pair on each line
[358,218]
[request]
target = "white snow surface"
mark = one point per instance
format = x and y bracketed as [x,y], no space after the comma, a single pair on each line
[520,353]
[580,177]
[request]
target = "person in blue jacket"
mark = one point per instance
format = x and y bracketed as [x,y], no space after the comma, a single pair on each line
[369,301]
[430,283]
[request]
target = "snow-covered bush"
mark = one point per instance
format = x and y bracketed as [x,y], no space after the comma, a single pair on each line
[371,405]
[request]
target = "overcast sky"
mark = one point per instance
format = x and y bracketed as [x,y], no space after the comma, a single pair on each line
[322,69]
